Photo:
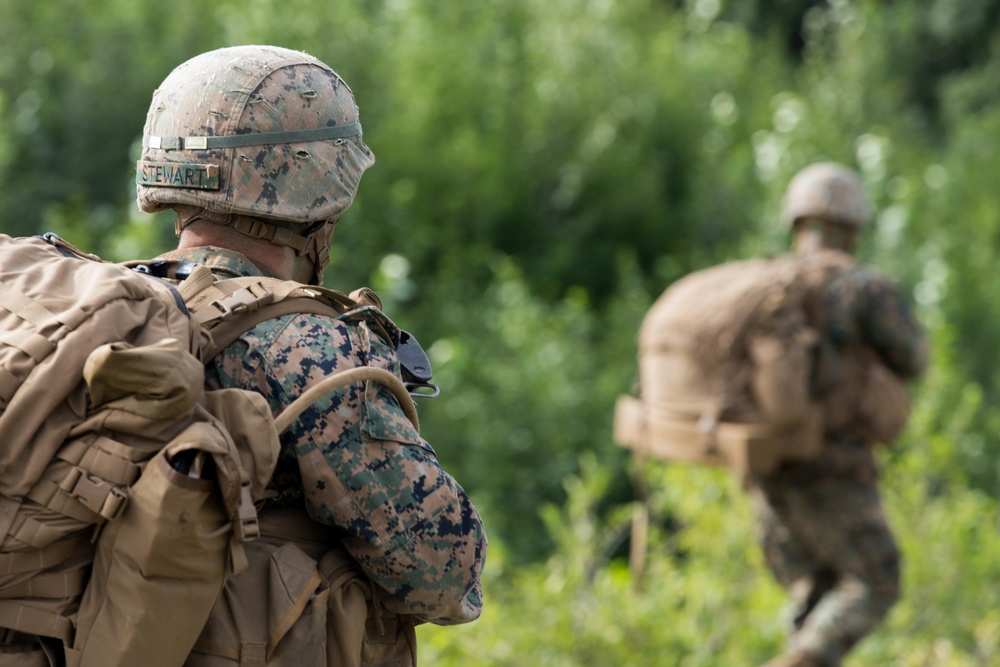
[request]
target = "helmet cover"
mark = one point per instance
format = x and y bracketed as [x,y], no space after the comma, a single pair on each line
[828,191]
[259,131]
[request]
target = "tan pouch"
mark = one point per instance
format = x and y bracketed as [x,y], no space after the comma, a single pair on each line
[361,633]
[629,427]
[780,378]
[274,613]
[287,611]
[885,405]
[160,567]
[157,573]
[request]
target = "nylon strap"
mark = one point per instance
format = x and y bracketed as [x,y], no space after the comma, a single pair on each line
[692,433]
[32,344]
[253,654]
[33,621]
[15,562]
[217,649]
[199,278]
[9,384]
[258,229]
[22,305]
[94,486]
[8,513]
[231,297]
[51,585]
[226,332]
[260,300]
[36,533]
[252,139]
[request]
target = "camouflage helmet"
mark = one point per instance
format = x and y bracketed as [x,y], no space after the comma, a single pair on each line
[828,191]
[256,131]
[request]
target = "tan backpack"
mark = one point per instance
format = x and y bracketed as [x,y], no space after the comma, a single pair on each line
[728,367]
[308,602]
[126,490]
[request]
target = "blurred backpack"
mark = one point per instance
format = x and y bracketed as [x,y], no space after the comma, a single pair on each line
[729,365]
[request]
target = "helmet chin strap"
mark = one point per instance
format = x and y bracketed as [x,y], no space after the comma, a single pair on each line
[320,240]
[314,244]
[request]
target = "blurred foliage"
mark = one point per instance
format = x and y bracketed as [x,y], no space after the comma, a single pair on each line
[545,168]
[707,598]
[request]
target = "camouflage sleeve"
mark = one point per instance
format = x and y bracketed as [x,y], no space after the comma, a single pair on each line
[364,469]
[888,324]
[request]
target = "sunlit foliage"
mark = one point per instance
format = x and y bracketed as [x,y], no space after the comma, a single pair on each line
[547,167]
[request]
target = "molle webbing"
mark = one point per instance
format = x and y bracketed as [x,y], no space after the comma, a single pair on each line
[50,585]
[35,621]
[229,308]
[59,575]
[36,337]
[52,318]
[88,482]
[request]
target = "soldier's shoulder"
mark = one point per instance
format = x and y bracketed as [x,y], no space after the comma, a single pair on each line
[871,276]
[325,333]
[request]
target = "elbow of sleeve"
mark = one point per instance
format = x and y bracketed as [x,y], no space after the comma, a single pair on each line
[437,575]
[918,363]
[469,560]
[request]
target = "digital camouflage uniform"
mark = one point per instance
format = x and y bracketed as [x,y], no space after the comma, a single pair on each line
[354,460]
[823,528]
[267,142]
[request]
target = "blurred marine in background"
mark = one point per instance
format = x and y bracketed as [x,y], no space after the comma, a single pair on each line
[258,151]
[789,370]
[823,529]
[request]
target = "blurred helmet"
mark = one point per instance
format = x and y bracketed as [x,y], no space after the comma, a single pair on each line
[255,131]
[828,191]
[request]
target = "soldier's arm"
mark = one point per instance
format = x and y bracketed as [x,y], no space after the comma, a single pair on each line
[890,327]
[365,469]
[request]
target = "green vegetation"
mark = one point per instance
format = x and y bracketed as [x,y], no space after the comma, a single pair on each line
[545,168]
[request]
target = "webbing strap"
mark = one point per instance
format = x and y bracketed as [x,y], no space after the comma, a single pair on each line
[30,531]
[243,301]
[221,650]
[9,384]
[253,654]
[32,344]
[225,333]
[701,436]
[231,307]
[252,139]
[112,468]
[198,279]
[258,229]
[22,305]
[279,627]
[16,562]
[95,486]
[33,621]
[227,299]
[107,500]
[51,585]
[246,302]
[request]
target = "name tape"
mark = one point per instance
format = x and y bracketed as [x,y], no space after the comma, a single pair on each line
[177,175]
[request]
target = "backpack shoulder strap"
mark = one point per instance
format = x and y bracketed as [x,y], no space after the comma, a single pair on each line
[228,308]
